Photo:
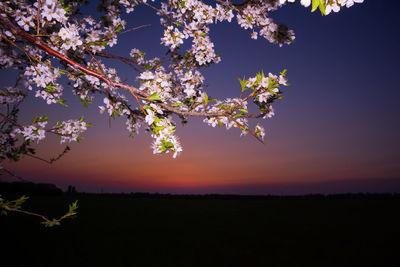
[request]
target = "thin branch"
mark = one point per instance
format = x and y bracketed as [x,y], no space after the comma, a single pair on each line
[135,28]
[242,126]
[12,121]
[23,51]
[44,218]
[31,213]
[38,19]
[123,59]
[95,59]
[152,7]
[140,105]
[14,175]
[52,159]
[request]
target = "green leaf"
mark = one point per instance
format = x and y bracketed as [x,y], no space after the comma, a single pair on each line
[322,7]
[243,110]
[206,101]
[44,118]
[61,102]
[154,96]
[318,4]
[73,207]
[157,129]
[119,29]
[177,24]
[243,83]
[177,104]
[85,105]
[315,5]
[62,71]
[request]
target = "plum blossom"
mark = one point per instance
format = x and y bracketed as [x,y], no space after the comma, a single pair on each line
[71,130]
[150,117]
[35,132]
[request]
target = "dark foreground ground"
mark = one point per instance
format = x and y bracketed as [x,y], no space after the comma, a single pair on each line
[151,231]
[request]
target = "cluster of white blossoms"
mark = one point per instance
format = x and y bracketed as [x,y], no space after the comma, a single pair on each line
[52,10]
[163,133]
[70,130]
[67,130]
[70,37]
[34,132]
[45,78]
[173,38]
[37,37]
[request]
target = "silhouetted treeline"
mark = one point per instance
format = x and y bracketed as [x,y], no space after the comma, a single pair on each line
[29,188]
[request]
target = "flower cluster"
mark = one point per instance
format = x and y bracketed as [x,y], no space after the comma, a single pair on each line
[70,130]
[34,132]
[70,37]
[51,10]
[44,76]
[162,131]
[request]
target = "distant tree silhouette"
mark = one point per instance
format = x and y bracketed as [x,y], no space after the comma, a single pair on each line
[71,190]
[29,188]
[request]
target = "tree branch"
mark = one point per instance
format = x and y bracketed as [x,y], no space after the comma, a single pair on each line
[131,89]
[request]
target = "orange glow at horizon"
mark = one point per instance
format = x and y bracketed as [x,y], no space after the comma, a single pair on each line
[212,158]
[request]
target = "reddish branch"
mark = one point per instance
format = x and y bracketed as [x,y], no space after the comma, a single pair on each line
[133,90]
[141,94]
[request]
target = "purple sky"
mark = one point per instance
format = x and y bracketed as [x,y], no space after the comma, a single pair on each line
[336,131]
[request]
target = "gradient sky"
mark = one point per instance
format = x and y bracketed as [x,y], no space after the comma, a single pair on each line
[336,131]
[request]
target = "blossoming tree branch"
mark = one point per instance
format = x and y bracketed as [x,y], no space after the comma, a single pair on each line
[51,43]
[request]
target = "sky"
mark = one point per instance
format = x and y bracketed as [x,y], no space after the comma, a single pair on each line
[336,131]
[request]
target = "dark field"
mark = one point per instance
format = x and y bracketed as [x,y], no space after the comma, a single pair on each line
[148,231]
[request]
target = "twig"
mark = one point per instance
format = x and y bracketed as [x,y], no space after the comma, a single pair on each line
[37,19]
[123,59]
[140,105]
[135,28]
[14,175]
[12,121]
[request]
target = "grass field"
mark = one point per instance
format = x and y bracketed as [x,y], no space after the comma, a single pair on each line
[126,231]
